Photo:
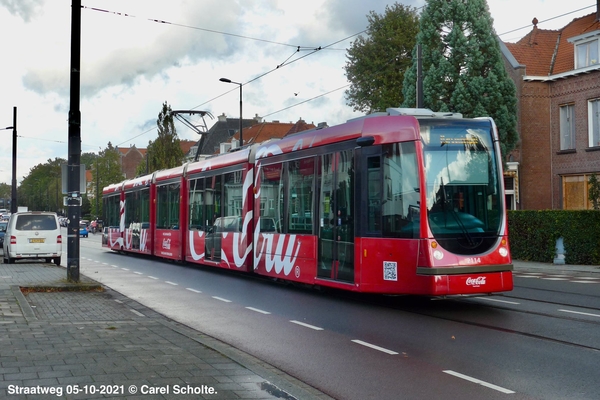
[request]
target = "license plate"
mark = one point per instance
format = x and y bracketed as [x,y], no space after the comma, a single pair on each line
[37,240]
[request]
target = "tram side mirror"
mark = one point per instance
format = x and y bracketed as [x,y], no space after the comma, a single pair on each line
[365,141]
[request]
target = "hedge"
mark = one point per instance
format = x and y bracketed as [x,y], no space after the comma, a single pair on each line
[533,234]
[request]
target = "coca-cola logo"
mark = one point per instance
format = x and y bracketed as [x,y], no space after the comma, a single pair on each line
[476,282]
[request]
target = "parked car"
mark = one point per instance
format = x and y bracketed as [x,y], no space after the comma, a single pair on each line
[3,225]
[33,234]
[83,232]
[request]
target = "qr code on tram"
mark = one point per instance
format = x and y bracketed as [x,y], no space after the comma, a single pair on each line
[390,271]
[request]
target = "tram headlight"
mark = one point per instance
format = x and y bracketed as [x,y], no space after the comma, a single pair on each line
[438,255]
[503,251]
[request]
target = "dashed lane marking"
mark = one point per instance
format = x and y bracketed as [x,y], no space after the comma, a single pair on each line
[316,328]
[152,277]
[193,290]
[497,300]
[580,313]
[221,299]
[172,283]
[480,382]
[258,310]
[372,346]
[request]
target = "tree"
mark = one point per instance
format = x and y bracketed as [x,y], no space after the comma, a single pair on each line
[594,191]
[462,65]
[41,189]
[165,151]
[376,64]
[106,170]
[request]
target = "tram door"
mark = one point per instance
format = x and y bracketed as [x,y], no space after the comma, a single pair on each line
[336,216]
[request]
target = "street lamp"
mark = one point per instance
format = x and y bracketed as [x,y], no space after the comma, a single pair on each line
[237,83]
[13,200]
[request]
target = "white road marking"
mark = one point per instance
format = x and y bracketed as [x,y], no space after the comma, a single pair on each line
[316,328]
[193,290]
[480,382]
[528,276]
[172,283]
[374,347]
[258,310]
[221,299]
[139,273]
[152,277]
[114,266]
[125,269]
[580,313]
[555,279]
[497,300]
[584,282]
[137,313]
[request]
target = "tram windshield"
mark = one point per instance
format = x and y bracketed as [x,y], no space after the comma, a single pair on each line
[464,203]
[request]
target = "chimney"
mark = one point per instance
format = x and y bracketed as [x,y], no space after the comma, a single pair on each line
[222,117]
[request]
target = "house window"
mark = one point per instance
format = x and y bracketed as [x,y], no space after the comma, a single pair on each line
[587,54]
[567,127]
[594,122]
[575,192]
[509,193]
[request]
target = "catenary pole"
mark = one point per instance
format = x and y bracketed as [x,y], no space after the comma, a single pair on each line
[73,169]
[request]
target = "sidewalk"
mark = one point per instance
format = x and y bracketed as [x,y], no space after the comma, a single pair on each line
[555,268]
[99,344]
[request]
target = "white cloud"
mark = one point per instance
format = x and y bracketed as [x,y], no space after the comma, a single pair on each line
[130,64]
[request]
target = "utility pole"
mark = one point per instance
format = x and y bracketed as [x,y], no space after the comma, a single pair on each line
[74,161]
[13,197]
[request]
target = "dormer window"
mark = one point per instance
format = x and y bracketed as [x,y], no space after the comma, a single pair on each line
[587,54]
[586,49]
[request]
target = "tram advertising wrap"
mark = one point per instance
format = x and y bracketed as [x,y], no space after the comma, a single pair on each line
[403,202]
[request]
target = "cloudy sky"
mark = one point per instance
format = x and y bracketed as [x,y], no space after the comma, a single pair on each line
[131,64]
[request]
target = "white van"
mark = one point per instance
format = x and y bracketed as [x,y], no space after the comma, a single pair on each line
[33,234]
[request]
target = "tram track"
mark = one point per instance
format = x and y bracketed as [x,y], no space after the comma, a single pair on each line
[422,306]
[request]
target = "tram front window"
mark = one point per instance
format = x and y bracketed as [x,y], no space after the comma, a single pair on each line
[464,202]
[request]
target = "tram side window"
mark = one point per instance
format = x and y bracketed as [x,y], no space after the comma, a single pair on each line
[167,206]
[271,197]
[212,199]
[300,196]
[111,210]
[374,194]
[196,204]
[232,191]
[132,209]
[145,208]
[400,202]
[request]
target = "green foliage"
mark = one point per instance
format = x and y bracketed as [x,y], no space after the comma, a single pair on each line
[594,191]
[463,69]
[533,235]
[41,189]
[106,170]
[376,64]
[164,152]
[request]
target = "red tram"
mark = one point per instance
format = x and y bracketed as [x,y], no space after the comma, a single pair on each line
[403,202]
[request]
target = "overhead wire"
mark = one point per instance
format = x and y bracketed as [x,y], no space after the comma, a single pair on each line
[311,50]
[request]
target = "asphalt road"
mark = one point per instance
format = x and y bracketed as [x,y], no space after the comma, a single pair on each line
[538,342]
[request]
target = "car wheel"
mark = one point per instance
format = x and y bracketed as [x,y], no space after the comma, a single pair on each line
[57,261]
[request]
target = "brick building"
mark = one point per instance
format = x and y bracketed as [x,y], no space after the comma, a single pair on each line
[557,74]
